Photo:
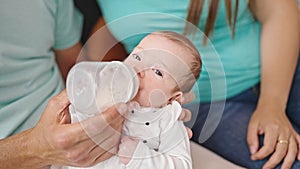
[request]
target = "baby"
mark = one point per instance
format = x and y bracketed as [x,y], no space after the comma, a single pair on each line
[167,66]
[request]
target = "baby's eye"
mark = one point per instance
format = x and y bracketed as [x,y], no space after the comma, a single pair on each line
[158,72]
[137,57]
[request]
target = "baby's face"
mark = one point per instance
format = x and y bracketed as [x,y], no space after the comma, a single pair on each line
[158,68]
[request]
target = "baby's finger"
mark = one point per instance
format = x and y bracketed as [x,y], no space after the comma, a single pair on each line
[185,115]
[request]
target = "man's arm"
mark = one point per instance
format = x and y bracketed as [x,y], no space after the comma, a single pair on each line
[55,141]
[17,151]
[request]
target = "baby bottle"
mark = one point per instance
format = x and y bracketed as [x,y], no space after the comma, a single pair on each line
[92,87]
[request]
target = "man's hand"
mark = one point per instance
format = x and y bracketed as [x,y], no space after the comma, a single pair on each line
[85,143]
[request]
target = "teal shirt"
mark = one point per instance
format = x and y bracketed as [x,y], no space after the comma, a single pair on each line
[29,75]
[230,65]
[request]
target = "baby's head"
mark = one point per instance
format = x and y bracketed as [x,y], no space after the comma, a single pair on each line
[167,64]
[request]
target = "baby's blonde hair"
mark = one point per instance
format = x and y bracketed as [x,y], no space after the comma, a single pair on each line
[195,64]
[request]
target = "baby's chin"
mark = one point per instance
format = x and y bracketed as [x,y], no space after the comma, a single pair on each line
[148,103]
[142,102]
[155,99]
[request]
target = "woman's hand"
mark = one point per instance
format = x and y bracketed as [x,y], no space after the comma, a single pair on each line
[58,142]
[186,114]
[280,139]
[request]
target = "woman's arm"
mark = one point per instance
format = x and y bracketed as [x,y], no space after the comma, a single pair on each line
[279,51]
[66,58]
[55,141]
[103,46]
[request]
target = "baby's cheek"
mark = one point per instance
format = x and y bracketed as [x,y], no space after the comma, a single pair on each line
[157,98]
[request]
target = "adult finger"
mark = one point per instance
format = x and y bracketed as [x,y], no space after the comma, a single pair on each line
[109,137]
[189,132]
[96,127]
[270,140]
[279,154]
[107,154]
[291,154]
[102,151]
[78,133]
[85,152]
[185,115]
[57,104]
[252,137]
[111,117]
[96,156]
[297,137]
[188,97]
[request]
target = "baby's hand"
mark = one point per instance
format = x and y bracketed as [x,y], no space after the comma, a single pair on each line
[127,149]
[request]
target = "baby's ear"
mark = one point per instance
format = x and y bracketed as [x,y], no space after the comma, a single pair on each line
[177,96]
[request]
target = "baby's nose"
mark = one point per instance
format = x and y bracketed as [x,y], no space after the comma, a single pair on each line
[138,68]
[141,73]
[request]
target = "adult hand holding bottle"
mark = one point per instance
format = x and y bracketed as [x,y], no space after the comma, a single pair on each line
[55,141]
